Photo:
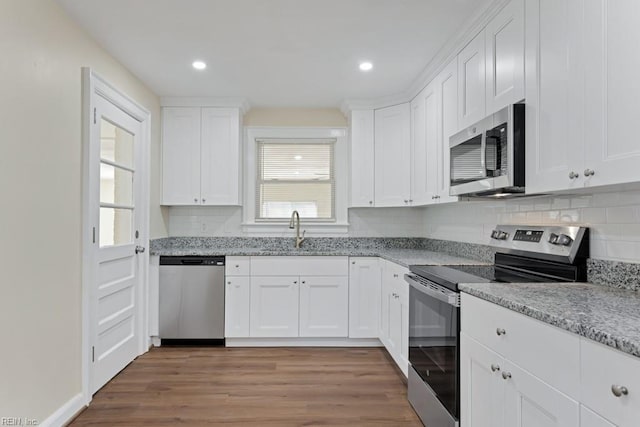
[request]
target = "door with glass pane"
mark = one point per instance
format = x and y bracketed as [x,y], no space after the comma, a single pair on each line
[115,156]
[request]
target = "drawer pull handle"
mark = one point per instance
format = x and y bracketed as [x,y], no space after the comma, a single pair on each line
[237,266]
[619,390]
[495,368]
[506,375]
[395,275]
[500,331]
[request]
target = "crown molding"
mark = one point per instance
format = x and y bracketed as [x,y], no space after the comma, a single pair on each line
[206,101]
[446,54]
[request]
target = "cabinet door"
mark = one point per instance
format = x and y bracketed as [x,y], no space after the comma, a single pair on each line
[324,306]
[505,57]
[236,307]
[403,301]
[471,82]
[532,402]
[220,161]
[364,297]
[274,306]
[392,156]
[424,125]
[395,325]
[588,418]
[362,155]
[481,385]
[554,88]
[612,92]
[447,82]
[385,307]
[180,156]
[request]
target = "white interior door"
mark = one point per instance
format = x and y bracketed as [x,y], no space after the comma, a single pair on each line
[115,156]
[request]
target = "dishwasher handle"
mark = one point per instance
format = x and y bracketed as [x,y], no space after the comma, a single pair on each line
[192,260]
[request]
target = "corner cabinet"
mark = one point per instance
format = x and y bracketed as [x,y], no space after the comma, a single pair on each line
[201,156]
[392,181]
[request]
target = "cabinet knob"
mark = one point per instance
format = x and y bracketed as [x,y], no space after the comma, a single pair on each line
[573,175]
[506,375]
[410,200]
[295,282]
[353,262]
[500,331]
[437,197]
[371,202]
[204,200]
[195,200]
[495,368]
[589,172]
[304,282]
[619,390]
[237,266]
[395,276]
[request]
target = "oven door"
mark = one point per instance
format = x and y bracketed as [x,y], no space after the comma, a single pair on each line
[434,318]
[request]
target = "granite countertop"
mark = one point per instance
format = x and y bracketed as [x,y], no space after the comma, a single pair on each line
[404,257]
[604,314]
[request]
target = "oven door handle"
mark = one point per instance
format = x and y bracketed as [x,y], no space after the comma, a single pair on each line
[446,296]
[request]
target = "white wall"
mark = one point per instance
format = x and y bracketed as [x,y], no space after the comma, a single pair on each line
[227,221]
[613,217]
[40,183]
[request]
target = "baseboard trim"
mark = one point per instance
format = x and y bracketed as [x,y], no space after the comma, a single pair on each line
[65,413]
[303,342]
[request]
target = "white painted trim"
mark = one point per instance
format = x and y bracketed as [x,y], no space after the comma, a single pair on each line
[65,413]
[446,54]
[206,101]
[94,85]
[341,155]
[303,342]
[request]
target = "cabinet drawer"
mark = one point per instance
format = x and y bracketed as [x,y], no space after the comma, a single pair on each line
[299,266]
[545,351]
[602,368]
[238,266]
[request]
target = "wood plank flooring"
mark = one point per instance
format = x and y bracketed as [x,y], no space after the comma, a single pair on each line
[254,387]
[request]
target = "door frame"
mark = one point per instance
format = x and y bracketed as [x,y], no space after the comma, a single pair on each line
[93,85]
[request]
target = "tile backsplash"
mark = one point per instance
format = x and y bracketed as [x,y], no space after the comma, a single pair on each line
[613,218]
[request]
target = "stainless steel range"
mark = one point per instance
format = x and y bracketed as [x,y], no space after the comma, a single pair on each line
[523,254]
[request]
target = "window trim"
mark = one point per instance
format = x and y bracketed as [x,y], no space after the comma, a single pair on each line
[320,226]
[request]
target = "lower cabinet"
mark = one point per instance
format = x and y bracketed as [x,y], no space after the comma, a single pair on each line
[497,393]
[588,418]
[394,314]
[236,312]
[274,306]
[364,297]
[324,306]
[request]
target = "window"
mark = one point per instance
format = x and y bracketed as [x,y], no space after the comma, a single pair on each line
[295,174]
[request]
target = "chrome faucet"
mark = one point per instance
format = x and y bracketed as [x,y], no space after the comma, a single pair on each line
[295,222]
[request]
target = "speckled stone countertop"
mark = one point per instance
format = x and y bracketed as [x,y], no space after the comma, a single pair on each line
[403,251]
[604,314]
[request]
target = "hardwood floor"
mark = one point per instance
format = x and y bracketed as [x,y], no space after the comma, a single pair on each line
[254,386]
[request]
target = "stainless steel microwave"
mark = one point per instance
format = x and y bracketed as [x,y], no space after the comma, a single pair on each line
[487,158]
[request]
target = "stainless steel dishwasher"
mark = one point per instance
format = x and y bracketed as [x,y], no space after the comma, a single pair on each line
[192,300]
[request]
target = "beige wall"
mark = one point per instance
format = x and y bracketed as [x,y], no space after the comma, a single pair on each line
[40,184]
[303,117]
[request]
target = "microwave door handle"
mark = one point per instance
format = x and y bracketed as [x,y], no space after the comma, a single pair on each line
[483,154]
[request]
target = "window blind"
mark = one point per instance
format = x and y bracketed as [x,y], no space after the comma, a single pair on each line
[295,174]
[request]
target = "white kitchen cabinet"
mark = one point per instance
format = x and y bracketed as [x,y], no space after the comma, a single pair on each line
[424,146]
[274,306]
[394,329]
[471,82]
[605,374]
[362,159]
[392,181]
[447,86]
[364,297]
[554,91]
[237,296]
[504,38]
[181,156]
[588,418]
[324,306]
[201,156]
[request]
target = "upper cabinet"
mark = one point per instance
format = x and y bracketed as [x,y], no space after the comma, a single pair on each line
[424,142]
[447,86]
[201,156]
[581,89]
[392,156]
[504,41]
[471,82]
[362,155]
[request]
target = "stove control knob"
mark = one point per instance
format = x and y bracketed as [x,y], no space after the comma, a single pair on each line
[564,240]
[499,235]
[553,238]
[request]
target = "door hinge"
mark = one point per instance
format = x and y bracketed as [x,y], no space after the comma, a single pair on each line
[94,116]
[93,354]
[94,234]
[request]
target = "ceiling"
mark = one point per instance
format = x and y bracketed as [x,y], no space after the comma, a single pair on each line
[275,53]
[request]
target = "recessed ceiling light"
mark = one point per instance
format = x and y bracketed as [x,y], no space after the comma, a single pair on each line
[199,65]
[297,157]
[366,66]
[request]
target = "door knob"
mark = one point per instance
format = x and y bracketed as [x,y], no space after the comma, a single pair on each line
[140,249]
